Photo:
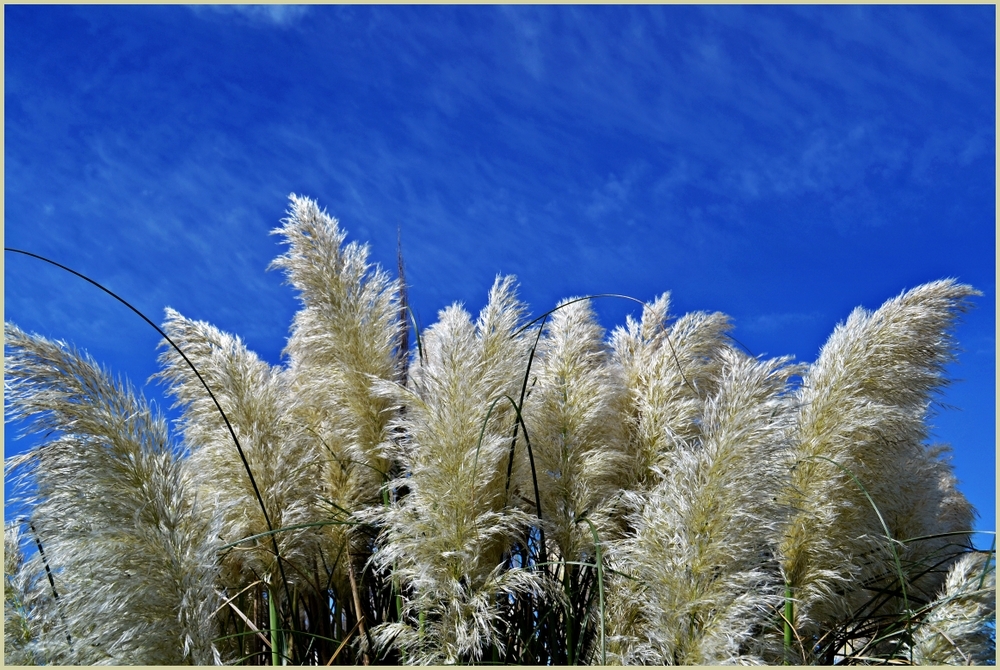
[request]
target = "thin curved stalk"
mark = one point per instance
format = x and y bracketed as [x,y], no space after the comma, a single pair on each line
[232,432]
[606,295]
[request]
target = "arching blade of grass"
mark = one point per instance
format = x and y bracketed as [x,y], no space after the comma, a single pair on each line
[789,617]
[990,564]
[600,587]
[520,404]
[232,433]
[343,643]
[606,295]
[416,330]
[885,528]
[272,611]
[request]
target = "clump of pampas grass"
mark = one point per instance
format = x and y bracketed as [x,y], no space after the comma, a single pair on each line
[510,491]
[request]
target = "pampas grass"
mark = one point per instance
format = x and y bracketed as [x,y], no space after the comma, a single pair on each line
[956,630]
[446,537]
[864,485]
[513,491]
[668,374]
[134,559]
[696,579]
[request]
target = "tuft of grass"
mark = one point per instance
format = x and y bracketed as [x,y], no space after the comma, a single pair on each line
[445,538]
[702,583]
[526,491]
[133,556]
[956,630]
[864,406]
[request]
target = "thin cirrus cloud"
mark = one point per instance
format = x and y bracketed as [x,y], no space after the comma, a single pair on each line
[780,164]
[281,16]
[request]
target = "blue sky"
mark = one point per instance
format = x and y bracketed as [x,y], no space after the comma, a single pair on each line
[779,164]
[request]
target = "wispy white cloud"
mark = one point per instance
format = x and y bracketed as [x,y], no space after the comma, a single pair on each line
[530,29]
[781,321]
[767,101]
[615,195]
[724,153]
[281,16]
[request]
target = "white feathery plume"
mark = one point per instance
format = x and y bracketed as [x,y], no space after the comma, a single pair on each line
[925,511]
[253,396]
[668,372]
[957,631]
[344,339]
[573,416]
[862,423]
[695,581]
[445,539]
[133,558]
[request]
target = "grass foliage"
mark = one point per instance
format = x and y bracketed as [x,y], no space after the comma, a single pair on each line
[508,491]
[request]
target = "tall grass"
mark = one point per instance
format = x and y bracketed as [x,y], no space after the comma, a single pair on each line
[133,557]
[511,491]
[864,484]
[697,581]
[444,540]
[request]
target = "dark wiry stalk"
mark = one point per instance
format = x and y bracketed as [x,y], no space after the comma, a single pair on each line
[225,418]
[52,581]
